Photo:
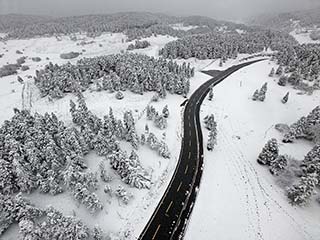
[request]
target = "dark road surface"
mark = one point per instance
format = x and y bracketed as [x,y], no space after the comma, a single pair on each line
[171,216]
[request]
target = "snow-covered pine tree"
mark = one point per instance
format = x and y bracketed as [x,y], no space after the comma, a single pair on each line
[165,111]
[294,79]
[152,141]
[210,94]
[311,161]
[279,164]
[279,71]
[164,150]
[297,130]
[262,92]
[255,95]
[272,72]
[269,153]
[212,139]
[143,139]
[210,122]
[161,122]
[8,177]
[146,129]
[300,194]
[285,98]
[97,233]
[283,81]
[134,139]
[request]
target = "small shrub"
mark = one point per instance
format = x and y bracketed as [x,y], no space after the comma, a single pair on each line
[25,68]
[36,59]
[9,69]
[69,55]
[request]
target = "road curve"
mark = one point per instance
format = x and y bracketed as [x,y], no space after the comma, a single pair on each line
[171,216]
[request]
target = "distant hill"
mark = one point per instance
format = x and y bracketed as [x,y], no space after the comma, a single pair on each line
[11,21]
[290,20]
[24,26]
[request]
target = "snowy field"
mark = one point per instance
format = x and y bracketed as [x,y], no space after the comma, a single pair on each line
[303,37]
[239,199]
[116,219]
[180,26]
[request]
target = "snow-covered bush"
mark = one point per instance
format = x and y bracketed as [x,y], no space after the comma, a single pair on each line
[119,95]
[9,69]
[69,55]
[138,45]
[36,59]
[25,67]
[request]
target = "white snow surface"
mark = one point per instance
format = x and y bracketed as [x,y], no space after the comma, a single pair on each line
[116,219]
[303,37]
[180,26]
[239,199]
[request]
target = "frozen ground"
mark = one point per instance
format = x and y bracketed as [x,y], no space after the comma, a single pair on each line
[239,199]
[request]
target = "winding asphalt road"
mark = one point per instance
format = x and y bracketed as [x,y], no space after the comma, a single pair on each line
[171,216]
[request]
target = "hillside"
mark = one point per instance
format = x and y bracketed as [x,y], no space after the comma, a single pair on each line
[290,20]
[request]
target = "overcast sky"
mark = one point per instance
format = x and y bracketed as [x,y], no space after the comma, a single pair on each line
[221,9]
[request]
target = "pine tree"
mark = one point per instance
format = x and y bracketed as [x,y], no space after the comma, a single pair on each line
[271,74]
[210,122]
[97,233]
[255,96]
[146,129]
[285,98]
[269,153]
[211,94]
[164,150]
[283,81]
[143,139]
[295,78]
[153,141]
[8,177]
[212,139]
[134,139]
[165,111]
[279,164]
[262,92]
[279,71]
[161,122]
[299,194]
[311,162]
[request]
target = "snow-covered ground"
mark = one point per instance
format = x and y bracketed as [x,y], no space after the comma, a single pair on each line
[239,199]
[180,26]
[303,37]
[116,218]
[235,193]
